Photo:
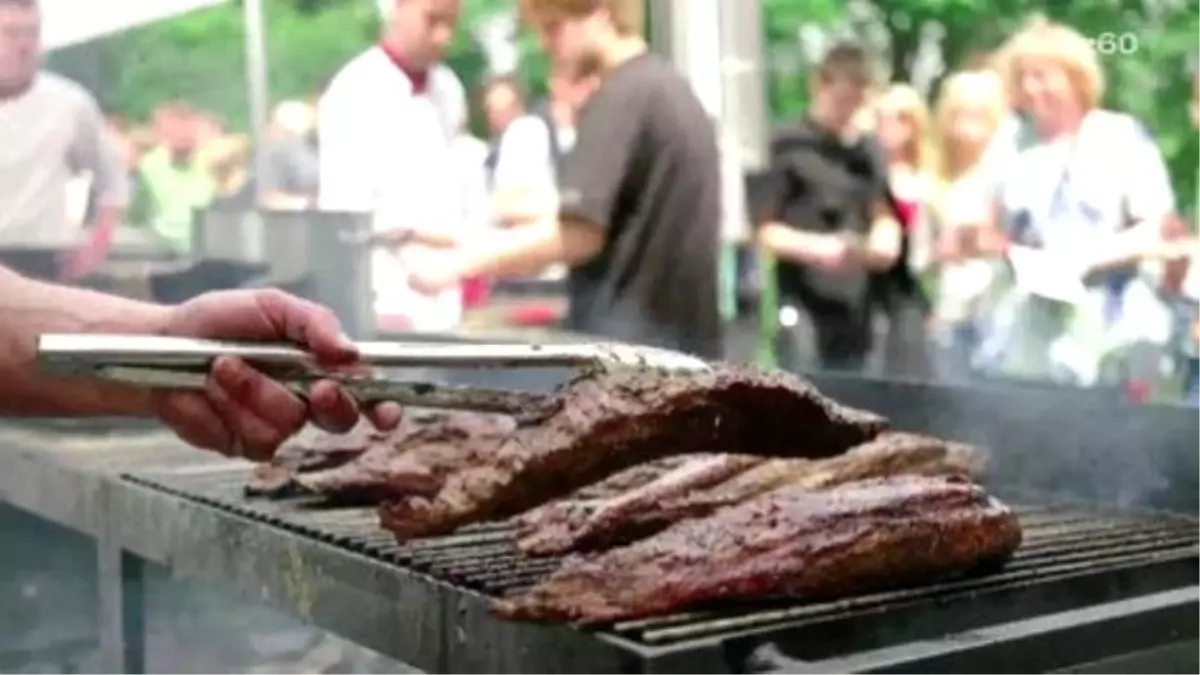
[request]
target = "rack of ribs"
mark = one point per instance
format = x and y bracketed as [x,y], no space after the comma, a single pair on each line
[606,422]
[698,490]
[413,459]
[791,542]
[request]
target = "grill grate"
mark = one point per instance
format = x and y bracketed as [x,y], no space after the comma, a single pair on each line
[1061,544]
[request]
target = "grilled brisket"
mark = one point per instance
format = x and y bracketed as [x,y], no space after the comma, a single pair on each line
[791,542]
[601,524]
[413,459]
[578,525]
[309,452]
[607,422]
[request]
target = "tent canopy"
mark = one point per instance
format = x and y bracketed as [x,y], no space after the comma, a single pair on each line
[68,22]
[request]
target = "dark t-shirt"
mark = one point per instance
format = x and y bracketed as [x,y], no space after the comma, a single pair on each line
[820,183]
[645,168]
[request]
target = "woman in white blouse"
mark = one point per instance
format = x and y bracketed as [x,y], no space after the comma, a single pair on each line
[1083,201]
[970,108]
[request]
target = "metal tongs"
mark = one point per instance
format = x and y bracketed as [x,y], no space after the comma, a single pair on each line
[184,363]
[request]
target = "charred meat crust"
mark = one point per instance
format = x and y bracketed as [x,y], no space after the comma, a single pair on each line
[790,542]
[567,527]
[611,421]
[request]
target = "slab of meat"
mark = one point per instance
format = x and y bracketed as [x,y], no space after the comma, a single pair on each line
[602,524]
[608,422]
[416,461]
[310,452]
[791,542]
[412,459]
[588,498]
[580,525]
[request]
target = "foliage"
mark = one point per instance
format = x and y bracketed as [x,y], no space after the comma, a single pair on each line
[200,58]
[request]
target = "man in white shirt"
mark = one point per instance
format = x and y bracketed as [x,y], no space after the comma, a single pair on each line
[387,125]
[51,132]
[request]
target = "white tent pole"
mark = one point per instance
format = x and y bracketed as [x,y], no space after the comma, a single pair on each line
[258,92]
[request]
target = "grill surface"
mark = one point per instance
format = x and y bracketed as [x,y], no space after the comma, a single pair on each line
[1071,557]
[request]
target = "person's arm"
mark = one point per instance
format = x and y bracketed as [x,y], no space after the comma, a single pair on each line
[590,187]
[780,240]
[29,308]
[93,151]
[885,238]
[1149,201]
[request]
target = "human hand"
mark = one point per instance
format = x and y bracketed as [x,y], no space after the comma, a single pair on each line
[243,412]
[835,252]
[80,262]
[433,273]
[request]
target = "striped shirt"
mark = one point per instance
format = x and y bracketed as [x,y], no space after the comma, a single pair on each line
[50,134]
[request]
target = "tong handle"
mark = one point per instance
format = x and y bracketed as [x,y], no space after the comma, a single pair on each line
[187,353]
[364,389]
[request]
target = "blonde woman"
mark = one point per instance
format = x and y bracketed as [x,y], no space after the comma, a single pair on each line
[901,125]
[1089,193]
[970,109]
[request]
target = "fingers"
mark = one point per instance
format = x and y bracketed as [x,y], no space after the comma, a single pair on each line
[258,412]
[194,420]
[331,407]
[309,324]
[385,416]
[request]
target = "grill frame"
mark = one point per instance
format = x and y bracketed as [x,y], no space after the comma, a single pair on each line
[517,647]
[1067,443]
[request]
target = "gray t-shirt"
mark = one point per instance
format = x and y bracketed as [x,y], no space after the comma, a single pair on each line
[48,135]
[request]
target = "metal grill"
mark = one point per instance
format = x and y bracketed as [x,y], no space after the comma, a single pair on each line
[1071,556]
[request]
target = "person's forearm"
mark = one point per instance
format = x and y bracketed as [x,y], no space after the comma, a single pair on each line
[787,243]
[514,252]
[520,206]
[104,226]
[29,308]
[884,244]
[1125,248]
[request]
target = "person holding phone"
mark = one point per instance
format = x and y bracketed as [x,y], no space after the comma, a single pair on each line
[968,114]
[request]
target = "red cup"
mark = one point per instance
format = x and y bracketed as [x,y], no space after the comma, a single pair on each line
[475,291]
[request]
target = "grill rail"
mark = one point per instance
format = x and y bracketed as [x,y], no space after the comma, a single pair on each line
[1071,557]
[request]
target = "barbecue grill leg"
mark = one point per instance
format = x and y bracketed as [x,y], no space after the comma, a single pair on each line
[121,612]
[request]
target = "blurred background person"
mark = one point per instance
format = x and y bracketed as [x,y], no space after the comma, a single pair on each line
[970,108]
[209,127]
[1091,190]
[387,124]
[176,182]
[903,130]
[502,99]
[826,217]
[52,133]
[228,161]
[534,147]
[639,214]
[292,166]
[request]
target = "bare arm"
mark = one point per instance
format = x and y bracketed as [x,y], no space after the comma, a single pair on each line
[885,240]
[29,308]
[526,249]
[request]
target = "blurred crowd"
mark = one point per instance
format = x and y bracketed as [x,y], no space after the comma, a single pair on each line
[1009,228]
[1041,237]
